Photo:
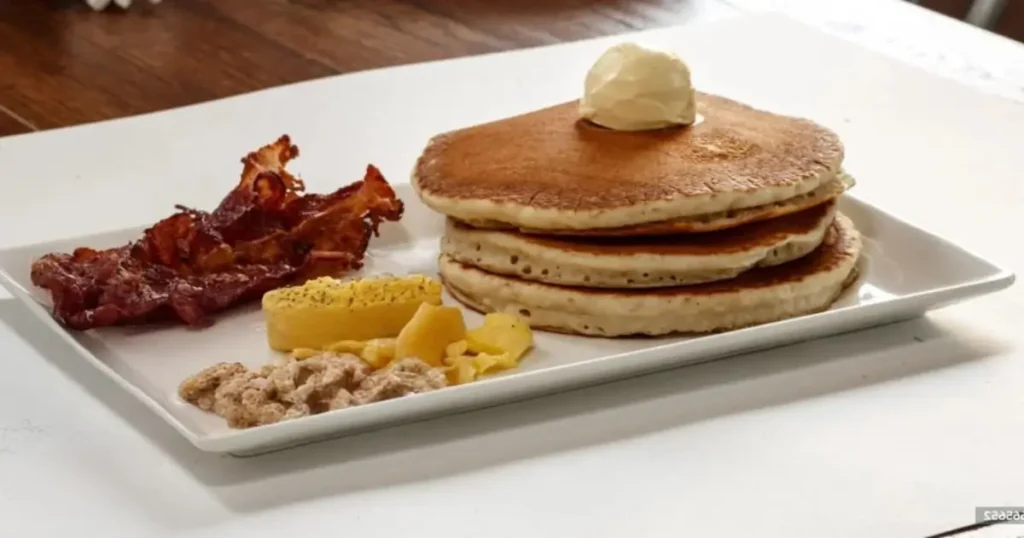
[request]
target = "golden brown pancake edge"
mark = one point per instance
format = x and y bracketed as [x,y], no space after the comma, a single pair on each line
[536,166]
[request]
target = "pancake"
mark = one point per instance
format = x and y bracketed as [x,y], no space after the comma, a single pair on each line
[804,286]
[640,262]
[709,222]
[548,170]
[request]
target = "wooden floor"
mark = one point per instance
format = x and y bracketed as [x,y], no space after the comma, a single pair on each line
[1009,24]
[62,64]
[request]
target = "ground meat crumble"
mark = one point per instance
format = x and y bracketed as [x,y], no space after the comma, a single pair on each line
[297,388]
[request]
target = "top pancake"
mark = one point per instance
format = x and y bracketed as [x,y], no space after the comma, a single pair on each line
[701,224]
[548,170]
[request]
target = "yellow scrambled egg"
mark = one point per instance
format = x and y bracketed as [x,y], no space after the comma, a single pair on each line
[498,344]
[324,311]
[438,336]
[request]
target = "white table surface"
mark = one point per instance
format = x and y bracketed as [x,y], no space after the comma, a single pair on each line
[899,431]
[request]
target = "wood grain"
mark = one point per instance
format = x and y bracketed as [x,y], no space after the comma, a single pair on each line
[63,64]
[1011,21]
[954,8]
[12,125]
[1009,24]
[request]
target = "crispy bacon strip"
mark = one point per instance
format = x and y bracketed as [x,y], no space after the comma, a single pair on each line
[266,233]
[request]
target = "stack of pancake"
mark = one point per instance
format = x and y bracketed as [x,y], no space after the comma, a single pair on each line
[719,225]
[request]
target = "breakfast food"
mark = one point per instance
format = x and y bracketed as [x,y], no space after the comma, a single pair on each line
[635,88]
[265,233]
[438,336]
[711,222]
[639,262]
[644,208]
[378,352]
[395,338]
[298,388]
[502,334]
[806,285]
[429,332]
[548,171]
[327,310]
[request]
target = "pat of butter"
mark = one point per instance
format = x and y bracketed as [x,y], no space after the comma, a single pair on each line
[636,88]
[326,310]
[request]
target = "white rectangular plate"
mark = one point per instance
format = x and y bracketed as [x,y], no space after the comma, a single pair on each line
[907,272]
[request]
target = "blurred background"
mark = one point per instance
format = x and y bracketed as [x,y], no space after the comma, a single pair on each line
[1004,17]
[63,64]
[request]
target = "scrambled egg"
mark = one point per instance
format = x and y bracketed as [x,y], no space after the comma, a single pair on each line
[384,319]
[437,335]
[498,344]
[378,352]
[326,311]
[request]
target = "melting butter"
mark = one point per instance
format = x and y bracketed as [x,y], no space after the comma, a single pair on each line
[635,88]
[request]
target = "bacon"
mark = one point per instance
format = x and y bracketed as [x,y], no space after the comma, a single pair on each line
[266,233]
